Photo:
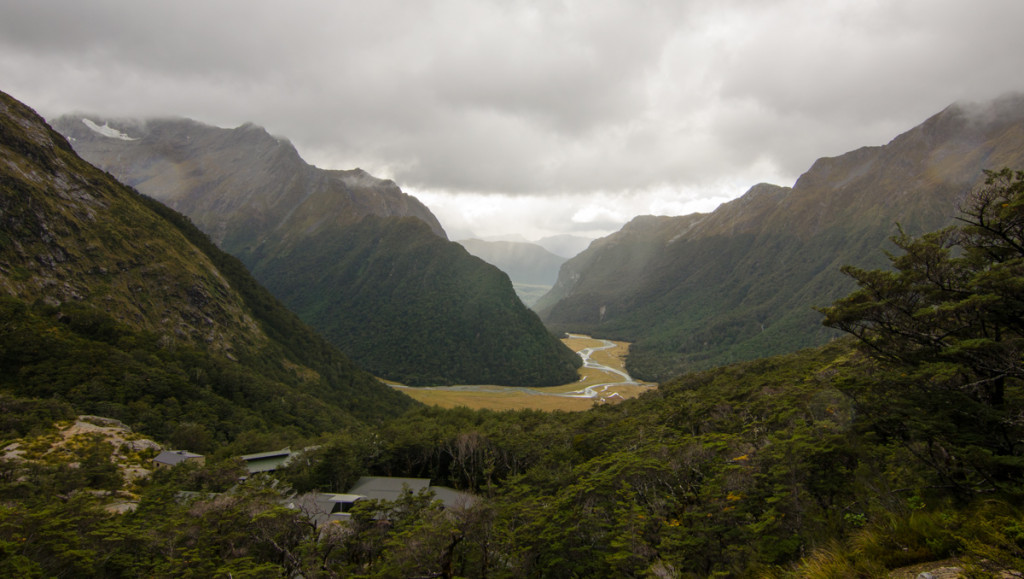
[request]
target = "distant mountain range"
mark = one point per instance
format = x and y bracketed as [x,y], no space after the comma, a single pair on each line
[740,283]
[359,260]
[532,269]
[564,245]
[119,306]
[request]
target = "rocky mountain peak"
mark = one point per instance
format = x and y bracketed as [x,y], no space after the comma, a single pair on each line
[239,185]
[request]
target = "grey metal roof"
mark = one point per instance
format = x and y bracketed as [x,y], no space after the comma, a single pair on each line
[390,488]
[267,461]
[173,457]
[453,498]
[270,454]
[386,487]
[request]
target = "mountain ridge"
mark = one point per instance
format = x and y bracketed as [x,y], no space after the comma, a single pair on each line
[270,184]
[740,282]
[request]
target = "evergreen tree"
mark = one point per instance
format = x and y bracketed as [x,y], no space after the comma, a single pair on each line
[947,325]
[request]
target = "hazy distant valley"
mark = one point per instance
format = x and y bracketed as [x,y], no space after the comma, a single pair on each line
[531,268]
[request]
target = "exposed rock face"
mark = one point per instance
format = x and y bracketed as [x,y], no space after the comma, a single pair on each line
[238,185]
[942,573]
[740,282]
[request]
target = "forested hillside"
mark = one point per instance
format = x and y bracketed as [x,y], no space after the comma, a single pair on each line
[740,283]
[115,305]
[414,303]
[414,308]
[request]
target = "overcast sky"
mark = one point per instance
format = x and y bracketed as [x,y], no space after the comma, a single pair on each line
[529,117]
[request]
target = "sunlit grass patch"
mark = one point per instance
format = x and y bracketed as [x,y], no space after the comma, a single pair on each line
[549,398]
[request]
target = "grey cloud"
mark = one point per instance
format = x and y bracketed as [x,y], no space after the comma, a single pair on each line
[859,74]
[530,97]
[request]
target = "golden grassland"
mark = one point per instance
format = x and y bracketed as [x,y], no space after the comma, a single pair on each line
[550,398]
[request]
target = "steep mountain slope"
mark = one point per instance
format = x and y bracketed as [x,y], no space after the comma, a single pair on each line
[294,227]
[401,281]
[238,184]
[117,304]
[532,269]
[740,283]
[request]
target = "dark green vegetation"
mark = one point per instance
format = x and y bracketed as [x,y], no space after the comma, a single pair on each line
[342,250]
[900,447]
[399,283]
[116,305]
[740,283]
[950,318]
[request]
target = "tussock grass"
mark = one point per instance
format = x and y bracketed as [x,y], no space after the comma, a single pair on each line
[549,398]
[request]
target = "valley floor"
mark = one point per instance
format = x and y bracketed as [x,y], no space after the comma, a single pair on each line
[602,380]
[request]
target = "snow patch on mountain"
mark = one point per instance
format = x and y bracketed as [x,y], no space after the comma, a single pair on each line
[107,131]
